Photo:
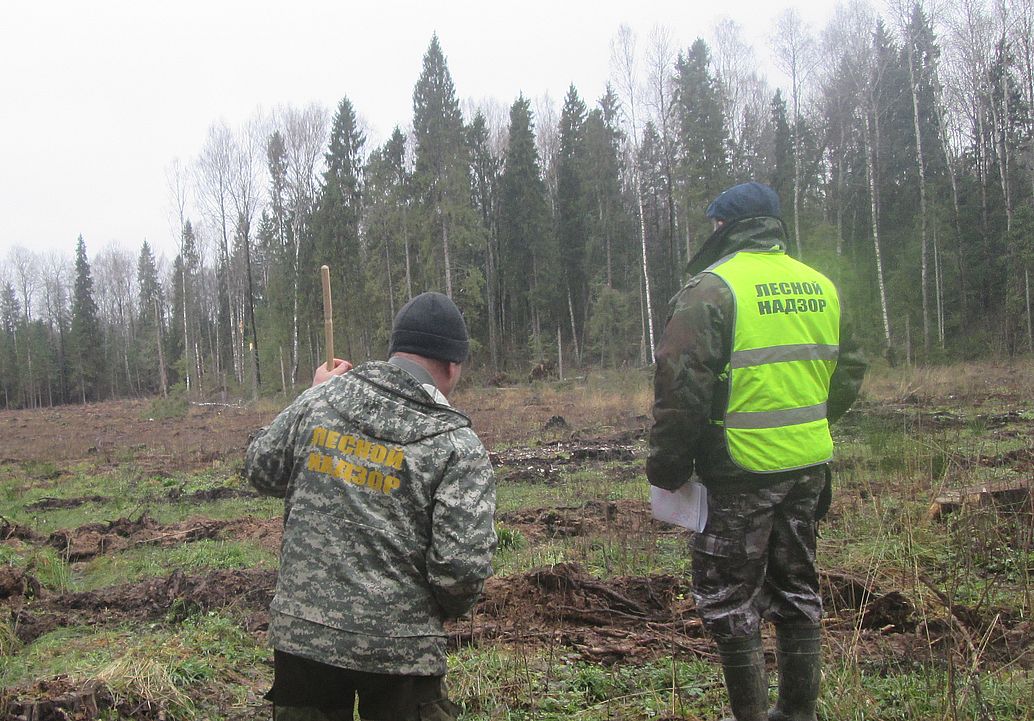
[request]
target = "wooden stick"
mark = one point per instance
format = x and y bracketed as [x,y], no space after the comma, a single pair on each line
[328,317]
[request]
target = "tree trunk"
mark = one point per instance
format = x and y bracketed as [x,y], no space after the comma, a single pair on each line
[445,252]
[921,166]
[840,188]
[956,216]
[1030,326]
[405,240]
[871,141]
[163,376]
[186,332]
[574,329]
[492,280]
[283,372]
[294,304]
[938,290]
[559,353]
[251,310]
[646,275]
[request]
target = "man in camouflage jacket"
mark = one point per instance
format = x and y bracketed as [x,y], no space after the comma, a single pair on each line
[388,527]
[756,556]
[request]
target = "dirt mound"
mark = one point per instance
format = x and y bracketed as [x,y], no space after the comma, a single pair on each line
[626,618]
[545,462]
[50,504]
[211,494]
[97,539]
[846,596]
[12,531]
[172,598]
[16,582]
[588,518]
[60,698]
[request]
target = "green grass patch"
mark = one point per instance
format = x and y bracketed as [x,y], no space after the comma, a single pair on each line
[150,561]
[492,683]
[163,665]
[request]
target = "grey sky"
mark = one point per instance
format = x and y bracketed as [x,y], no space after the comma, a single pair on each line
[97,98]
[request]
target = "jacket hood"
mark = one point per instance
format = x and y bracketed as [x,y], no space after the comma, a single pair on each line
[385,402]
[763,232]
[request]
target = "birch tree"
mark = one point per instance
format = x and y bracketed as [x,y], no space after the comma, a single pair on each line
[624,65]
[793,47]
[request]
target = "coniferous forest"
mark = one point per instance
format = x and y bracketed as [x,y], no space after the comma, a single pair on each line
[901,143]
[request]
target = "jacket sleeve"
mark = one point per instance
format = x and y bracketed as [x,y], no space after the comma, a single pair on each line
[690,358]
[270,455]
[463,539]
[847,377]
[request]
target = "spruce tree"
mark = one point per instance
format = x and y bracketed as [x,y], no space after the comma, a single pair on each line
[781,164]
[87,350]
[335,241]
[10,313]
[703,133]
[484,173]
[528,249]
[441,177]
[573,210]
[149,351]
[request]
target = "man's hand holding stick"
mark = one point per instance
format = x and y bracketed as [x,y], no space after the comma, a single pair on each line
[333,366]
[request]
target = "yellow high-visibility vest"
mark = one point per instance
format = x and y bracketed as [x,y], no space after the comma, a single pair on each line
[785,343]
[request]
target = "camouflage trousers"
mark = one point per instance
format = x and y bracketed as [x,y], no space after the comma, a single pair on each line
[756,557]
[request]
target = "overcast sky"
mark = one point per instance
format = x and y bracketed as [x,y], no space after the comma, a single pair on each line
[98,98]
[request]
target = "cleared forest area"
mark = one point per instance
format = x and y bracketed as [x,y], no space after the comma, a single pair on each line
[136,565]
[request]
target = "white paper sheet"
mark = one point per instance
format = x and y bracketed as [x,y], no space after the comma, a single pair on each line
[686,507]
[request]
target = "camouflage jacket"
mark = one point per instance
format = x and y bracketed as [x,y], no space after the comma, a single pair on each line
[388,520]
[689,390]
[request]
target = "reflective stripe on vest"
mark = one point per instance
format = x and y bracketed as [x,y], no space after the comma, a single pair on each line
[785,344]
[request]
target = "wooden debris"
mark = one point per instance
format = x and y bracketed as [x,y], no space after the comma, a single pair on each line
[1012,496]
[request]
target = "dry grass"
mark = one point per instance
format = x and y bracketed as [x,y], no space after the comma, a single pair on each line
[139,679]
[974,382]
[603,402]
[9,643]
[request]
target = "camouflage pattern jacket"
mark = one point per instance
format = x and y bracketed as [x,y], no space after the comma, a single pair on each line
[690,385]
[388,520]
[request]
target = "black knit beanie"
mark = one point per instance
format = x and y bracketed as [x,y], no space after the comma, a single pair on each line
[430,325]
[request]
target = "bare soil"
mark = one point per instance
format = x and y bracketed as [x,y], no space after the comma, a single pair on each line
[561,608]
[111,432]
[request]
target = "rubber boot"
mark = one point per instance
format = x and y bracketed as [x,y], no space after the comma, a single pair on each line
[743,662]
[799,656]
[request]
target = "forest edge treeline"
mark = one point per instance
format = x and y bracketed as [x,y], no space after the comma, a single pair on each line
[901,149]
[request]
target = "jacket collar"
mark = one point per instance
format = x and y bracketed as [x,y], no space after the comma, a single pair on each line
[760,233]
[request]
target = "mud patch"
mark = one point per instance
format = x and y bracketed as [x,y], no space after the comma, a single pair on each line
[847,596]
[96,539]
[60,699]
[545,463]
[171,599]
[211,494]
[592,517]
[16,582]
[625,618]
[914,416]
[1021,459]
[107,433]
[51,504]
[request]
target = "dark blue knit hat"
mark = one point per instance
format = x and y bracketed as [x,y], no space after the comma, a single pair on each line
[745,200]
[432,326]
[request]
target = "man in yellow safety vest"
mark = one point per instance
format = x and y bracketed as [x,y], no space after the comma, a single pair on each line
[753,365]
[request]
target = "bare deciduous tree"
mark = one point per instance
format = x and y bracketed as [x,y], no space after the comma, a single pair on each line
[794,49]
[624,65]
